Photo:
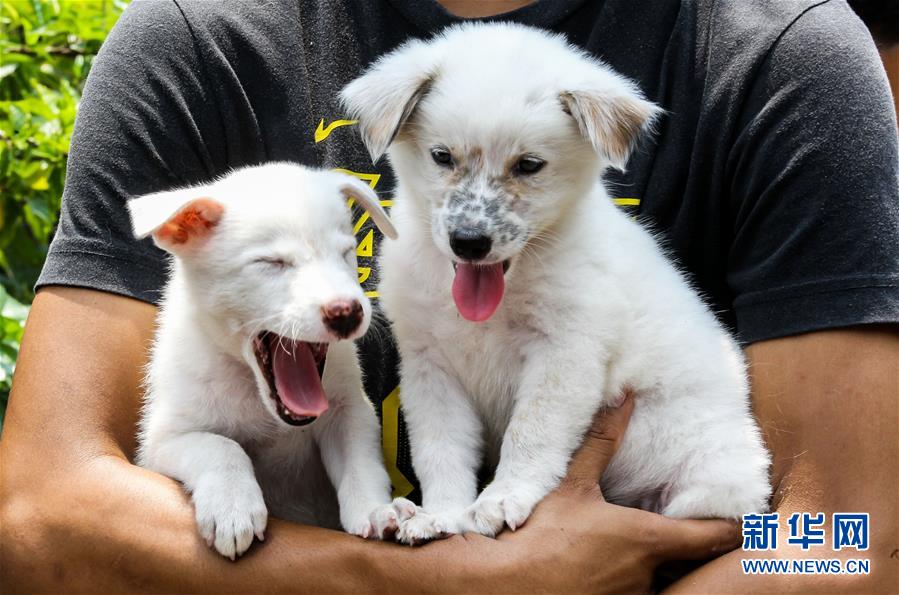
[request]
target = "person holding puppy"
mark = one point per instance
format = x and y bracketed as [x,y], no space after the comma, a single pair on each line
[773,178]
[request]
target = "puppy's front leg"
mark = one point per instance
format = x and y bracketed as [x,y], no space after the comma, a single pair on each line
[350,449]
[219,475]
[559,394]
[446,440]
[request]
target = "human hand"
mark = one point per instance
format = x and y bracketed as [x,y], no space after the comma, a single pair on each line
[577,541]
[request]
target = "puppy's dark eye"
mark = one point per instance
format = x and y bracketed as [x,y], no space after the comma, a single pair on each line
[529,165]
[442,157]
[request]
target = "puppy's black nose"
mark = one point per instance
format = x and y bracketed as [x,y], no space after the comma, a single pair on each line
[470,244]
[342,316]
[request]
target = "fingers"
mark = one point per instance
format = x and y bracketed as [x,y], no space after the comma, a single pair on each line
[687,539]
[600,444]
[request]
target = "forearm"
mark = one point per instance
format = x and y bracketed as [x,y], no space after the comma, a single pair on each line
[827,404]
[112,527]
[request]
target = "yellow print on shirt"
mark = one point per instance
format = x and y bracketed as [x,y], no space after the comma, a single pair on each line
[323,132]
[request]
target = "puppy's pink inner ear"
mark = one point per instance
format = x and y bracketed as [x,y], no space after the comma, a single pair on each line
[193,222]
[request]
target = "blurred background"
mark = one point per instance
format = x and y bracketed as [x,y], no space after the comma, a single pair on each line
[46,51]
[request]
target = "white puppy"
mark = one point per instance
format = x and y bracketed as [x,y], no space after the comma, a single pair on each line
[523,300]
[254,344]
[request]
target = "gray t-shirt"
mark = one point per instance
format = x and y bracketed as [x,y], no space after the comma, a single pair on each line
[774,178]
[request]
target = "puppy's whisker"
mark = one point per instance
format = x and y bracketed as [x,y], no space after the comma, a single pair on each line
[256,328]
[547,237]
[281,345]
[379,326]
[532,254]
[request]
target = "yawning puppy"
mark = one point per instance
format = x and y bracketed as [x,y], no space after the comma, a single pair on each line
[254,345]
[523,300]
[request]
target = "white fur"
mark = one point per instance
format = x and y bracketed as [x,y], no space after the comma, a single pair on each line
[591,305]
[208,419]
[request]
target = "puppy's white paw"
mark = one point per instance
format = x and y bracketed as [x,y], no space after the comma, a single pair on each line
[405,509]
[383,522]
[496,508]
[229,512]
[424,527]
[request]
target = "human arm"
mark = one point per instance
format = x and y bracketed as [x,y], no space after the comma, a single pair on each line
[826,402]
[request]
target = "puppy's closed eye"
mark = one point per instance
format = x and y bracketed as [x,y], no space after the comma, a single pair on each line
[275,262]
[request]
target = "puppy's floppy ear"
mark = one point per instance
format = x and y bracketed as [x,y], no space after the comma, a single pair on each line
[368,200]
[177,220]
[612,119]
[384,97]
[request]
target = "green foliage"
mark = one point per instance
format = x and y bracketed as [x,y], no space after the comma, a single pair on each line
[46,50]
[12,323]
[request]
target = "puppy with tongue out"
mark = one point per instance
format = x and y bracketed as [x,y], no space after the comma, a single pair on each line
[254,395]
[523,300]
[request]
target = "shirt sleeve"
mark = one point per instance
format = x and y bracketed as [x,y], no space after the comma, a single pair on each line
[145,124]
[815,185]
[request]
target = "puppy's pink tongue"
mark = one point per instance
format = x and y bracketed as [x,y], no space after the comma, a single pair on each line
[478,290]
[297,379]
